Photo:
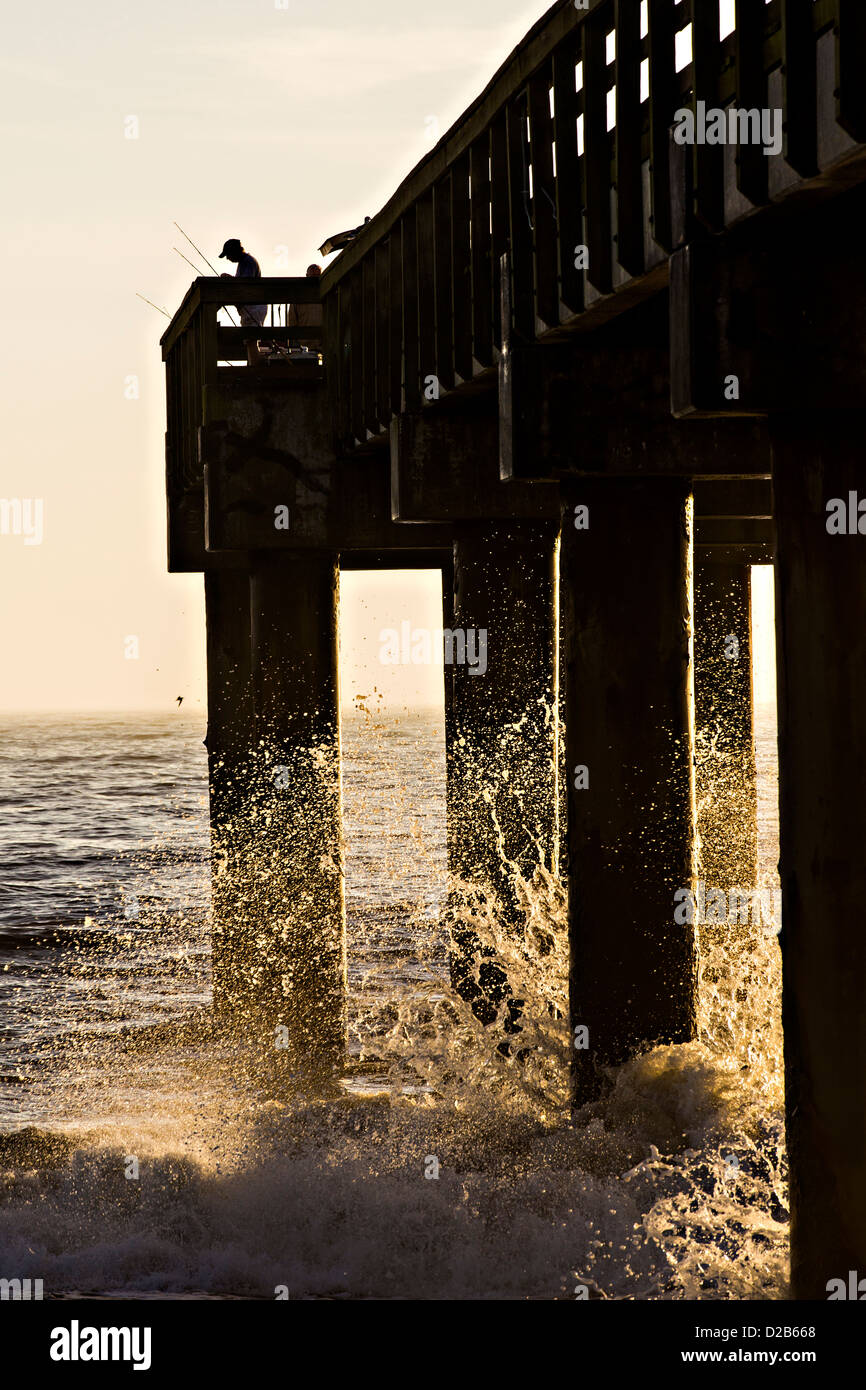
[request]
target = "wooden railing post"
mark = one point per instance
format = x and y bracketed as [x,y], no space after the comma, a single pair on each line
[596,153]
[482,264]
[544,260]
[629,162]
[567,104]
[708,160]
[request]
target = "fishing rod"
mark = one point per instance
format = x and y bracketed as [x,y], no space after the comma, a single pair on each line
[152,305]
[200,254]
[203,257]
[187,259]
[196,268]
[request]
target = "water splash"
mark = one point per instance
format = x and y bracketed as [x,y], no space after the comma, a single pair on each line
[670,1186]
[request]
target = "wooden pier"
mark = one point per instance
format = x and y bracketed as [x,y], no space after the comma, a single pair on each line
[592,375]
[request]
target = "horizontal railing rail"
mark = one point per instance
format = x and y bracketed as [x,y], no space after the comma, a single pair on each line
[277,292]
[565,164]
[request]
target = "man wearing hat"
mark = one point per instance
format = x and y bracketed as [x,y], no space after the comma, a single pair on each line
[251,315]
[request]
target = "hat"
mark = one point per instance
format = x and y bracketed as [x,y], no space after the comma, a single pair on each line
[232,245]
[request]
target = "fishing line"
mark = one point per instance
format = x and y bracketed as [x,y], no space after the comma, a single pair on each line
[153,306]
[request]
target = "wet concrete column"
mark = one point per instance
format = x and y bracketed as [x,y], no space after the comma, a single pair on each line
[726,784]
[625,661]
[501,739]
[820,573]
[296,964]
[230,743]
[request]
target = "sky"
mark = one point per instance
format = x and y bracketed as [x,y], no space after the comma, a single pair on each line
[279,123]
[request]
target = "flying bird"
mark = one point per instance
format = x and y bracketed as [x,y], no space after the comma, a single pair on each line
[179,701]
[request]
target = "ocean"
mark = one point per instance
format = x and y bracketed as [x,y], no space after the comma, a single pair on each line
[140,1156]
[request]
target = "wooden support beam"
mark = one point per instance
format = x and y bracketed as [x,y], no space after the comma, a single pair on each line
[445,468]
[716,501]
[629,163]
[724,357]
[294,968]
[726,782]
[625,663]
[409,559]
[743,345]
[605,409]
[821,658]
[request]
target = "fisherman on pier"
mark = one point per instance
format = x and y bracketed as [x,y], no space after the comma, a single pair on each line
[251,315]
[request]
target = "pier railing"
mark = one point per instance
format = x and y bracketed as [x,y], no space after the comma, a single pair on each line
[198,346]
[566,163]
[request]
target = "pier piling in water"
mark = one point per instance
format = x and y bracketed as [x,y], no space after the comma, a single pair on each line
[231,754]
[297,965]
[501,735]
[626,663]
[821,656]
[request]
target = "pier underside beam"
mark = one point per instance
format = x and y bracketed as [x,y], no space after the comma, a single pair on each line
[601,406]
[295,966]
[501,737]
[821,658]
[626,666]
[445,467]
